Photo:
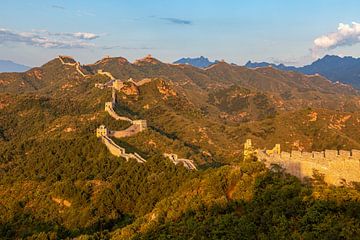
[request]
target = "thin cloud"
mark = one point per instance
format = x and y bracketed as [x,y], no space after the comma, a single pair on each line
[126,48]
[46,39]
[58,7]
[85,35]
[83,13]
[177,21]
[346,35]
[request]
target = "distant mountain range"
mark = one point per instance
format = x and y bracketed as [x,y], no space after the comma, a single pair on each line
[9,66]
[335,68]
[200,62]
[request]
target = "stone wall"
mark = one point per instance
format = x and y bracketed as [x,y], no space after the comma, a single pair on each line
[118,151]
[187,163]
[142,124]
[335,165]
[130,131]
[113,148]
[109,107]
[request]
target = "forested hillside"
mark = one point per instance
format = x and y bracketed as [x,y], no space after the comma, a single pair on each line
[58,181]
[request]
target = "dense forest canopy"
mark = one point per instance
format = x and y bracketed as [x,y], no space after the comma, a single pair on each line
[58,181]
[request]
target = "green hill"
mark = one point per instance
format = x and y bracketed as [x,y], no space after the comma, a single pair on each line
[57,180]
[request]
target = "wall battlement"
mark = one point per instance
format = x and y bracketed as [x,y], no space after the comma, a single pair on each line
[336,165]
[136,127]
[330,155]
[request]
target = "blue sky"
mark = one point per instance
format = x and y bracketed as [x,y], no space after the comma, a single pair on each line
[35,31]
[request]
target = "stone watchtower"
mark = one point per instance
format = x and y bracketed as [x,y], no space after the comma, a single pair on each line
[249,151]
[101,131]
[141,123]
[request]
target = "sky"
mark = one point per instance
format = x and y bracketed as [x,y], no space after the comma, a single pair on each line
[293,32]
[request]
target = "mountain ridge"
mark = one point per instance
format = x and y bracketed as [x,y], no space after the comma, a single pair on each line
[200,62]
[10,66]
[59,181]
[335,68]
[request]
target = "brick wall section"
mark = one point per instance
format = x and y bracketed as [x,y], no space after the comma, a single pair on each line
[335,165]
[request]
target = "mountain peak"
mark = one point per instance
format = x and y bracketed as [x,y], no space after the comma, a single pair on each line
[335,68]
[200,62]
[147,59]
[108,59]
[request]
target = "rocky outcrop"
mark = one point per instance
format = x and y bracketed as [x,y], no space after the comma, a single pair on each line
[165,89]
[129,89]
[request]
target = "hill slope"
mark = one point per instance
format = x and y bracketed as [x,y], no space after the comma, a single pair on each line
[59,180]
[200,62]
[335,68]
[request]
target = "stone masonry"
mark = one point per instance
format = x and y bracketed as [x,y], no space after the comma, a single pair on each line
[337,166]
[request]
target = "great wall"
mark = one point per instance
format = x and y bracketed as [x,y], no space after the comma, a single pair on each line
[76,64]
[136,127]
[189,164]
[336,166]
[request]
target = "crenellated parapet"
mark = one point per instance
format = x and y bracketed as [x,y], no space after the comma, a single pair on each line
[336,165]
[136,127]
[102,131]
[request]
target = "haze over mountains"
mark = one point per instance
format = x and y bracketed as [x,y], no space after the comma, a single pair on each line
[334,68]
[10,66]
[342,69]
[200,62]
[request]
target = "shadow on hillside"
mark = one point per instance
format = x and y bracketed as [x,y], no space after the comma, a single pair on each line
[282,207]
[173,136]
[52,230]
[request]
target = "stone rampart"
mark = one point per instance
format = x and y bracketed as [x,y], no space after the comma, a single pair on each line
[130,131]
[109,107]
[108,74]
[187,163]
[76,64]
[336,166]
[118,151]
[113,148]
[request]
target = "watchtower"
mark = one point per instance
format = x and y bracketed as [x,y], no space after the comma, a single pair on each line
[101,131]
[248,150]
[141,123]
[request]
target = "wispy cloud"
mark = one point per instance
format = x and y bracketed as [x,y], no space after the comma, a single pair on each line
[346,35]
[126,48]
[84,13]
[177,21]
[58,7]
[46,39]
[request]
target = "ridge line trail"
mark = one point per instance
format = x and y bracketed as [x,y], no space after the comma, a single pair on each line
[76,64]
[136,127]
